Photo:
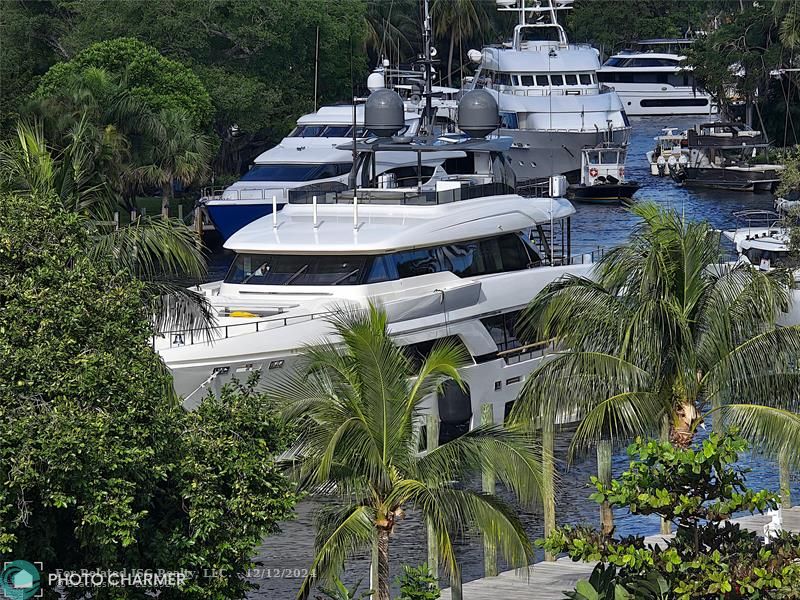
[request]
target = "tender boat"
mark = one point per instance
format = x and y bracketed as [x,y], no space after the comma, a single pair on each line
[727,156]
[670,145]
[551,102]
[454,258]
[652,78]
[603,176]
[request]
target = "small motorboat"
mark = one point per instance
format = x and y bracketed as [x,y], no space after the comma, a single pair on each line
[670,146]
[603,176]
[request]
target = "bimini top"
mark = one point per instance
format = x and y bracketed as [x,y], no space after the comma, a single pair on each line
[381,228]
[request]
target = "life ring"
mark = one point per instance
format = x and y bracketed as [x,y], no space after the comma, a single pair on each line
[593,172]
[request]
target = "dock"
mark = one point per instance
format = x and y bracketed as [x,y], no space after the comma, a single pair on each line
[549,580]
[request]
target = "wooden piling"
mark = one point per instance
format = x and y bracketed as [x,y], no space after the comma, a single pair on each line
[489,484]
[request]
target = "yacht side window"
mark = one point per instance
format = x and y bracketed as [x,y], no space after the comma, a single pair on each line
[542,81]
[586,79]
[508,120]
[527,80]
[571,79]
[556,79]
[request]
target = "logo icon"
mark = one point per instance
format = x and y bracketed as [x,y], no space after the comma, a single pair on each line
[20,580]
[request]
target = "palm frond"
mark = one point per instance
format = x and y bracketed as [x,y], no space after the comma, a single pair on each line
[771,430]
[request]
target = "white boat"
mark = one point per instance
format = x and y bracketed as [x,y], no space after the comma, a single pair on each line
[603,177]
[761,239]
[670,146]
[551,102]
[652,78]
[310,155]
[453,257]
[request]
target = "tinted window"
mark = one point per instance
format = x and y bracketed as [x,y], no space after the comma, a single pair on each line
[278,269]
[556,79]
[503,329]
[676,102]
[586,79]
[542,80]
[295,172]
[338,131]
[614,62]
[527,80]
[571,79]
[508,120]
[504,79]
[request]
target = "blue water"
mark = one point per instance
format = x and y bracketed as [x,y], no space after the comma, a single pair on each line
[593,226]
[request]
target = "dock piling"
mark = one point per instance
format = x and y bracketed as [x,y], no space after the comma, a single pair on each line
[488,481]
[432,441]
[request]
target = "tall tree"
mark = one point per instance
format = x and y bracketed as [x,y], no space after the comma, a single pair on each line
[458,20]
[101,467]
[174,152]
[358,411]
[660,333]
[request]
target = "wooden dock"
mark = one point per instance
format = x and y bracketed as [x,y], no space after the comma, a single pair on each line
[549,580]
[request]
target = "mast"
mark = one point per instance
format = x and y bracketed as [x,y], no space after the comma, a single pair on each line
[427,119]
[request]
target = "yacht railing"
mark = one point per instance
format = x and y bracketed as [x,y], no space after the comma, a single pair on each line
[401,197]
[202,335]
[757,219]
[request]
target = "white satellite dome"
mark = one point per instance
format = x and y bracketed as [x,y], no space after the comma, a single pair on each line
[375,81]
[475,56]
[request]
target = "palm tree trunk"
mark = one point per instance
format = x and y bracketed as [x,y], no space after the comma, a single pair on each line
[166,193]
[784,474]
[488,481]
[373,568]
[383,564]
[665,435]
[604,475]
[432,435]
[548,477]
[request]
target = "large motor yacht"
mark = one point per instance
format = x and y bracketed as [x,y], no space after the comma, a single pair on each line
[652,79]
[312,154]
[550,100]
[456,256]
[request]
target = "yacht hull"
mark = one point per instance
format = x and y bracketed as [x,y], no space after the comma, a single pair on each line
[540,154]
[643,103]
[603,193]
[230,218]
[743,180]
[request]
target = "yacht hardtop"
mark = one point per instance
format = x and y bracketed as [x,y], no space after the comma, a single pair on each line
[455,259]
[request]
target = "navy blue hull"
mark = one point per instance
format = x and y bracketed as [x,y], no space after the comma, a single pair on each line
[230,218]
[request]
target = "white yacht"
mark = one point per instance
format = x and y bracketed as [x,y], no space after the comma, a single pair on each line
[652,79]
[310,155]
[551,102]
[453,257]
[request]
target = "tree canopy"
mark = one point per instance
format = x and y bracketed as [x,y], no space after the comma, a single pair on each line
[102,468]
[158,82]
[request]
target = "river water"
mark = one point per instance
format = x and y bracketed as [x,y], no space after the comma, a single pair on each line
[283,557]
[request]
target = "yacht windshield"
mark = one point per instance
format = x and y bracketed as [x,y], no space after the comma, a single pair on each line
[296,172]
[279,269]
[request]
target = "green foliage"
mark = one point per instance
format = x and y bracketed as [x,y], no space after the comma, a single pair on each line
[339,591]
[158,82]
[101,467]
[790,176]
[709,557]
[417,583]
[357,403]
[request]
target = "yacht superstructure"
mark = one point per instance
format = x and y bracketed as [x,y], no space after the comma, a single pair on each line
[652,79]
[551,102]
[456,258]
[312,154]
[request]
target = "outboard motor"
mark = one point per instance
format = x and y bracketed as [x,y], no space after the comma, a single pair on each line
[661,165]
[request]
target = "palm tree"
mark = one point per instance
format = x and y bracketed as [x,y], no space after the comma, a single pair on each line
[155,250]
[662,332]
[174,152]
[357,407]
[459,20]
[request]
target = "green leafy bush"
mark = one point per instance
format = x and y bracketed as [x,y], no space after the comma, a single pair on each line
[697,489]
[417,583]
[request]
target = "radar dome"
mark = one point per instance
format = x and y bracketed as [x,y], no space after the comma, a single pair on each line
[475,56]
[384,113]
[375,81]
[478,115]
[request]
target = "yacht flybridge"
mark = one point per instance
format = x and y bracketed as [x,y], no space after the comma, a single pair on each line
[550,100]
[652,79]
[454,256]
